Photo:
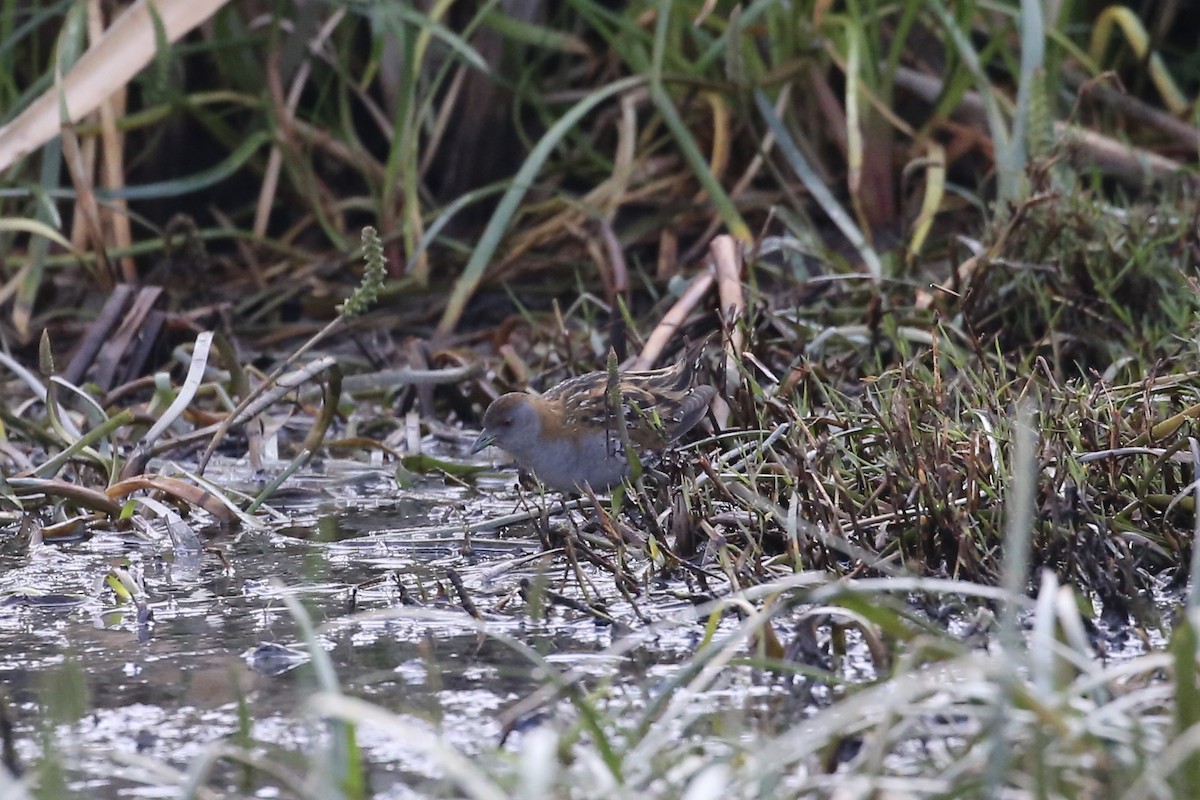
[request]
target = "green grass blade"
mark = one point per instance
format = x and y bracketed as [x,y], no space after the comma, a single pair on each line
[507,207]
[683,136]
[957,37]
[196,181]
[817,187]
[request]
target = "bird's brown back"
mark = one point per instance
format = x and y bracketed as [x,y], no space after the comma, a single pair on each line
[659,405]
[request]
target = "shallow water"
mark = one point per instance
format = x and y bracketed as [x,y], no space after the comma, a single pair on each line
[167,688]
[371,565]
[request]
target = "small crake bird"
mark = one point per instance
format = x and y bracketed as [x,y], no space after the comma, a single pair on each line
[570,438]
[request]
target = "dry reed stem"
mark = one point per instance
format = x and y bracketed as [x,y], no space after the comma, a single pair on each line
[673,320]
[727,262]
[1103,152]
[112,162]
[129,44]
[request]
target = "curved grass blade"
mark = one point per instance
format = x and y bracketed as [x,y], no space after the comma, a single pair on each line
[32,381]
[530,33]
[816,187]
[470,780]
[54,410]
[83,443]
[38,228]
[187,392]
[227,496]
[197,496]
[1139,40]
[1008,182]
[194,182]
[96,416]
[447,215]
[931,199]
[465,286]
[53,487]
[687,143]
[429,25]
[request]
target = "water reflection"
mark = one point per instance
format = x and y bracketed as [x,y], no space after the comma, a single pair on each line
[168,686]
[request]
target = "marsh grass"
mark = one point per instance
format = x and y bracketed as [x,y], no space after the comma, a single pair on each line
[930,716]
[969,335]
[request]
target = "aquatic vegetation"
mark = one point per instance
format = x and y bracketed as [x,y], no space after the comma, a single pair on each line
[933,537]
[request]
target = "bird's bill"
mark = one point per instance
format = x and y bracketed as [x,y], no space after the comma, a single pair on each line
[484,439]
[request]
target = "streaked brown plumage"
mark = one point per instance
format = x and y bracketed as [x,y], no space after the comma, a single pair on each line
[569,436]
